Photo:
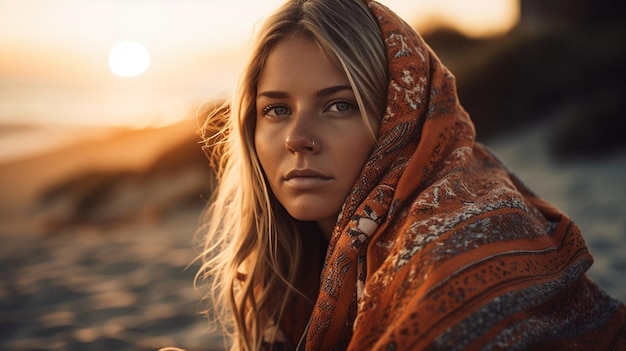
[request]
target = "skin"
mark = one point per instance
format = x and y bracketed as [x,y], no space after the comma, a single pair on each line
[310,136]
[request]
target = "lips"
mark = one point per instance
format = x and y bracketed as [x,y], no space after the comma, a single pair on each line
[305,173]
[305,178]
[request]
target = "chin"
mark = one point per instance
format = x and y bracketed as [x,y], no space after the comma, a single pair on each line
[312,208]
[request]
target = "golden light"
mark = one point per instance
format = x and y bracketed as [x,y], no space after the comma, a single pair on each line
[129,59]
[189,59]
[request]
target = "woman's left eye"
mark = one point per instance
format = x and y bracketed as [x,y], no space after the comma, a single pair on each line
[340,106]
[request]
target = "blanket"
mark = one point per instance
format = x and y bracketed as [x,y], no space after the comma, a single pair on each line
[439,246]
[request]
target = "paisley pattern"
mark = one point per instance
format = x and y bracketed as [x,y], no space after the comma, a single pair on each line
[439,247]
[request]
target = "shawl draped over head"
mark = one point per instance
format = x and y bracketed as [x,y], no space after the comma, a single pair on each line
[439,247]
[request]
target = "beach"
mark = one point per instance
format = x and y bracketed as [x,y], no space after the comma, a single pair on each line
[102,185]
[102,282]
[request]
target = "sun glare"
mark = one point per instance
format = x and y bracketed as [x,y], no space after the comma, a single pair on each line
[129,59]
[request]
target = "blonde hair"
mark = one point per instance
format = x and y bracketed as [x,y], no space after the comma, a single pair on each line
[252,248]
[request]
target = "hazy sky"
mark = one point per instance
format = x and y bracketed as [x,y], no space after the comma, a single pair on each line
[195,46]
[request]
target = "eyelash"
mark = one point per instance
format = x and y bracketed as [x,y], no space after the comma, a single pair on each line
[266,110]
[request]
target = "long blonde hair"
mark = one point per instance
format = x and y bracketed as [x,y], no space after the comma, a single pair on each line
[252,247]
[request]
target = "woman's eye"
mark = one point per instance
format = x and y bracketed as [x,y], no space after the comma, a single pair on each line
[341,106]
[275,110]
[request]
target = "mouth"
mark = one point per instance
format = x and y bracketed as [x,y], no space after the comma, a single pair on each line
[305,178]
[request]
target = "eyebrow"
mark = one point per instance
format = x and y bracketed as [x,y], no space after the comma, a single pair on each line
[320,93]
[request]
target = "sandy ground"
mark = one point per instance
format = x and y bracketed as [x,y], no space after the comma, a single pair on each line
[126,287]
[129,288]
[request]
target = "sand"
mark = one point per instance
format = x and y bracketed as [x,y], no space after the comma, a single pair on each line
[129,288]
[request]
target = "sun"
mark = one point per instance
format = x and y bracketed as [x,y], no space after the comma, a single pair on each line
[129,59]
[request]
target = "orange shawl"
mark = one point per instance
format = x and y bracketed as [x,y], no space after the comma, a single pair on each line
[440,247]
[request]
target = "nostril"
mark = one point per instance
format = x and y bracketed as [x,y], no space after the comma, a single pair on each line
[296,143]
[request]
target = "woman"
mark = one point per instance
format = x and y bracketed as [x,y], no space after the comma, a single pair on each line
[355,210]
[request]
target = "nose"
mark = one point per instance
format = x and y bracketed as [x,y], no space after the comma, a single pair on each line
[300,137]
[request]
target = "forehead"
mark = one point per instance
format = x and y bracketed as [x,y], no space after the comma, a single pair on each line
[297,60]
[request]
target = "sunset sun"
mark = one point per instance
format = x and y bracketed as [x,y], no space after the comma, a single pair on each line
[129,59]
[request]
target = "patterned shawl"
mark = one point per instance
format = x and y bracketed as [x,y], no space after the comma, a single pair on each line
[440,247]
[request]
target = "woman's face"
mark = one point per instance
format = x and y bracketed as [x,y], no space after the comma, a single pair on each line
[310,137]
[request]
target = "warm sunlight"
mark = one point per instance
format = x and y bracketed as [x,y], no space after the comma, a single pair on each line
[129,59]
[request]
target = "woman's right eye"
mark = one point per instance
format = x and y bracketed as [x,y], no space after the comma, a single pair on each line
[275,110]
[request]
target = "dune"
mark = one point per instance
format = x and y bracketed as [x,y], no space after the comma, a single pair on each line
[23,181]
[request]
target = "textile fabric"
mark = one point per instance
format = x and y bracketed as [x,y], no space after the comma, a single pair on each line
[440,247]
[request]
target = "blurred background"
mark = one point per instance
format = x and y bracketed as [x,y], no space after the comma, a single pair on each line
[102,179]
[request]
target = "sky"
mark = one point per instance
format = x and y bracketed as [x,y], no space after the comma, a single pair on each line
[54,61]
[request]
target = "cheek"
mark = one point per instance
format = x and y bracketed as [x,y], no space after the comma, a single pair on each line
[265,149]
